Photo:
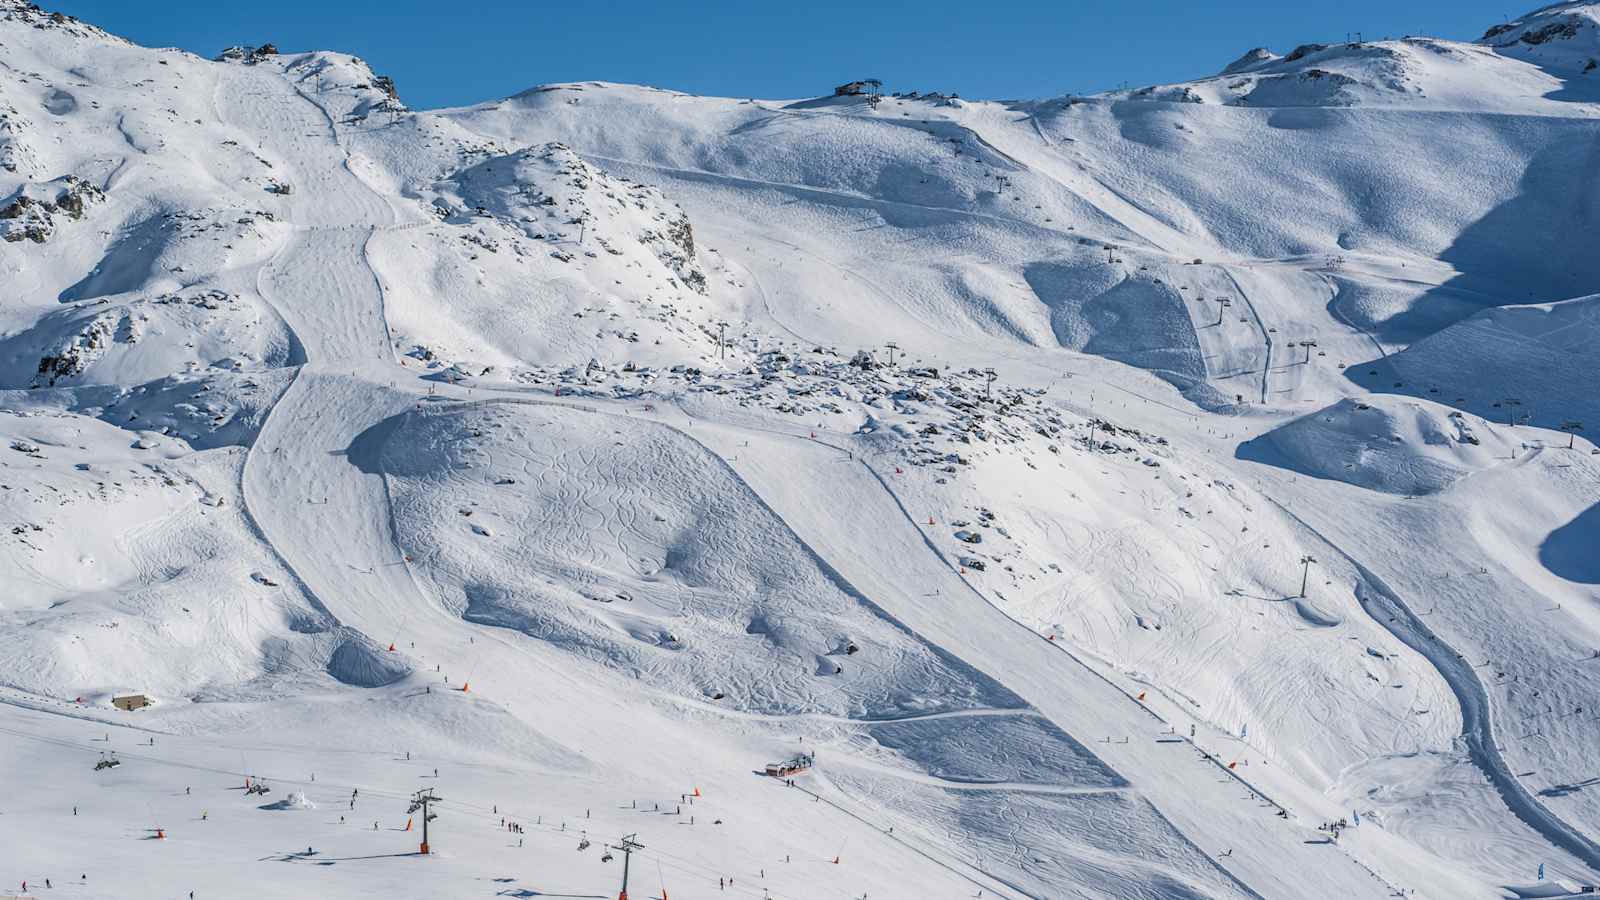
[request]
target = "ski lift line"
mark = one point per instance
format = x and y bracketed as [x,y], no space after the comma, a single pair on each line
[662,858]
[554,831]
[1266,365]
[486,814]
[377,792]
[72,745]
[1074,657]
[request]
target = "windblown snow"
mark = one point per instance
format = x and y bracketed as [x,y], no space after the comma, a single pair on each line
[1181,491]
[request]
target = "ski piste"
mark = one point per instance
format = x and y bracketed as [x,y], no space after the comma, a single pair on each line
[1173,491]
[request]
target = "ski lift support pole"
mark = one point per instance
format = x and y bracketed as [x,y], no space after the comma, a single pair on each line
[627,845]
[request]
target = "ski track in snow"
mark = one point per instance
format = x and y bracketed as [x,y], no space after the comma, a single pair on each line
[1397,616]
[316,497]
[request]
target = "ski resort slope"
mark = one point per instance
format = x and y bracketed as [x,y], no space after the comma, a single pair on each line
[1155,494]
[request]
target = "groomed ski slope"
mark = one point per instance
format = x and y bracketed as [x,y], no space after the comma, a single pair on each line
[390,450]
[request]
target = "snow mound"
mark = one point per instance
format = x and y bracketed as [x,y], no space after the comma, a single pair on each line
[138,340]
[1394,446]
[29,213]
[685,580]
[1543,891]
[544,257]
[1251,59]
[544,187]
[295,800]
[1568,551]
[361,662]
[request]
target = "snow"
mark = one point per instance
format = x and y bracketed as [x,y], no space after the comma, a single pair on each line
[1408,448]
[552,452]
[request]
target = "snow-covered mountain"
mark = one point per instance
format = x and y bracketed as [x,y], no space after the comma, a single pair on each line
[1563,37]
[1163,493]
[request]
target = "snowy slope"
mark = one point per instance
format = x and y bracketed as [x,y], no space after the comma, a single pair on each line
[552,452]
[1564,37]
[1522,363]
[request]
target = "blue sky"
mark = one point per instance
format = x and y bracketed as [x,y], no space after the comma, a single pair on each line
[444,54]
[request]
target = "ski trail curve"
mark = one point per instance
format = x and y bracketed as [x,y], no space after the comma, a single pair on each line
[1477,716]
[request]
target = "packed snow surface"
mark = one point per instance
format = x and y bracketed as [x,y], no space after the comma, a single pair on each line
[1178,492]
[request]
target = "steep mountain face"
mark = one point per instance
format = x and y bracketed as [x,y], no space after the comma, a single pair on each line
[1107,489]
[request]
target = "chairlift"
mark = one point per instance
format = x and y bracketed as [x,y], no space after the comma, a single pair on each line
[606,856]
[583,844]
